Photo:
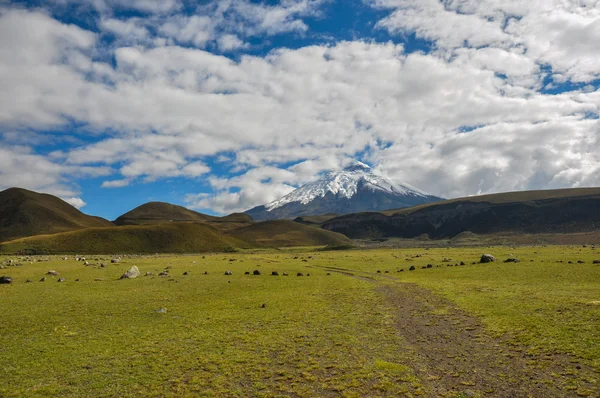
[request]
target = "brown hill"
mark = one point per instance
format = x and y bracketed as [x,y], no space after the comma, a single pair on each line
[161,213]
[287,233]
[27,213]
[164,238]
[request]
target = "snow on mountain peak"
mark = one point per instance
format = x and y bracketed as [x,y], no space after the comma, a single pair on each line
[345,184]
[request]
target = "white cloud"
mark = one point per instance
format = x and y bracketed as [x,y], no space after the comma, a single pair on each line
[160,112]
[115,183]
[23,168]
[230,42]
[77,203]
[560,33]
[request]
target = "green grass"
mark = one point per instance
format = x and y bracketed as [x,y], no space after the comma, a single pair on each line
[323,335]
[549,306]
[318,336]
[287,233]
[166,238]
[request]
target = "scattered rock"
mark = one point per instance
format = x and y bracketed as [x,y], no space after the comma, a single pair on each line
[164,273]
[307,274]
[378,271]
[387,272]
[256,272]
[328,274]
[205,272]
[86,263]
[28,281]
[115,260]
[133,273]
[412,268]
[596,261]
[285,274]
[462,263]
[429,265]
[263,306]
[52,272]
[487,258]
[76,280]
[580,262]
[186,273]
[5,280]
[299,274]
[162,310]
[61,280]
[512,260]
[98,279]
[228,272]
[148,274]
[247,273]
[274,273]
[102,265]
[43,279]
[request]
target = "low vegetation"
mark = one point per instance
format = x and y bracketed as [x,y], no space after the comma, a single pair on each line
[286,233]
[166,238]
[349,329]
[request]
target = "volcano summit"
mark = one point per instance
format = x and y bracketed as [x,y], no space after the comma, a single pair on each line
[356,188]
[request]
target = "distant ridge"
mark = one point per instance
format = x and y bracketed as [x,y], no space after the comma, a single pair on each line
[27,213]
[529,212]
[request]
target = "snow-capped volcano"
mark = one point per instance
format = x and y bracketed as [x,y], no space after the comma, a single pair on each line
[353,189]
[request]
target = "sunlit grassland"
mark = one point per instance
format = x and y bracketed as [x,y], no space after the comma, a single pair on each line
[323,335]
[547,305]
[319,335]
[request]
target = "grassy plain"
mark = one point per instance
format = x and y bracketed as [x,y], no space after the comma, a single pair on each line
[319,335]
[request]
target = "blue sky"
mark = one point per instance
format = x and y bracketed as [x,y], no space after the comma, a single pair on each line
[224,105]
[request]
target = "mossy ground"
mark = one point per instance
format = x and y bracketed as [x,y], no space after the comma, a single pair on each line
[323,335]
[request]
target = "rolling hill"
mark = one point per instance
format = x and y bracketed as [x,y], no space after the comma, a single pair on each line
[28,213]
[552,211]
[164,238]
[161,213]
[286,233]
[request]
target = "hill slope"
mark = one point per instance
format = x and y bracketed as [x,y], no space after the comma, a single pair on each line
[353,189]
[165,238]
[553,211]
[27,213]
[161,213]
[286,233]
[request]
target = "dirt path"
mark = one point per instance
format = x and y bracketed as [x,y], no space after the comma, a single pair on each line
[454,355]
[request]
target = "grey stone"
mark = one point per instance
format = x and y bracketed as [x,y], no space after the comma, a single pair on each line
[133,273]
[5,280]
[52,272]
[228,272]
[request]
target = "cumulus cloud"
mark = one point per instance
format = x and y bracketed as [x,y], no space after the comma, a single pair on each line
[77,203]
[469,117]
[561,34]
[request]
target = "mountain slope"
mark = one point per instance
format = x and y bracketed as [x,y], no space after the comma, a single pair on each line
[160,213]
[165,238]
[27,213]
[353,189]
[533,212]
[282,233]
